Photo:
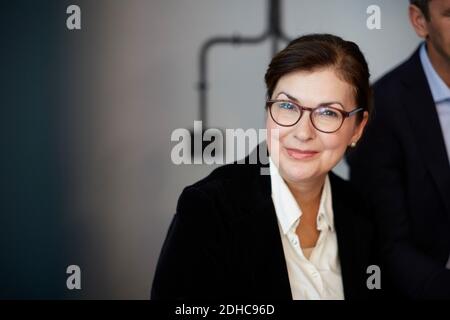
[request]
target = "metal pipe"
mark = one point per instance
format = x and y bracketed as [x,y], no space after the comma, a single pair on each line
[273,31]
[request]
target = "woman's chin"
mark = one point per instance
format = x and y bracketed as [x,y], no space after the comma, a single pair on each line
[297,175]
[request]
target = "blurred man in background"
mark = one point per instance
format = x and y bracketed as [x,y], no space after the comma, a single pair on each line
[402,163]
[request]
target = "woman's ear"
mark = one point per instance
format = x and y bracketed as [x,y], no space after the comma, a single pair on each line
[359,129]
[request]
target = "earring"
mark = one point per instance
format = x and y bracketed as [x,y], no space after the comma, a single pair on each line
[353,144]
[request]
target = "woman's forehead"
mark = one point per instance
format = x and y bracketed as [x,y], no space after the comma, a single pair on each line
[315,87]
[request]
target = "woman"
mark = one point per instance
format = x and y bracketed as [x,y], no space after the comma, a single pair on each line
[300,232]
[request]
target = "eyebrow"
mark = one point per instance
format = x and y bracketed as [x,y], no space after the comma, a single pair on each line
[320,104]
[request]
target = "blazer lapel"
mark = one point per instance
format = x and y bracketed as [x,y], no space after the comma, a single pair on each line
[345,233]
[421,111]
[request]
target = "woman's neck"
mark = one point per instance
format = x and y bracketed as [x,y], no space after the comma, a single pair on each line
[308,194]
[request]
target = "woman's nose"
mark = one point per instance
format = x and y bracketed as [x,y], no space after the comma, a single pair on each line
[304,129]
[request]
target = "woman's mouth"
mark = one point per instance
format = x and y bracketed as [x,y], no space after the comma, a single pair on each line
[301,154]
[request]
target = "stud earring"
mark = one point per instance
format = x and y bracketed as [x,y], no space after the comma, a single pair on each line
[353,144]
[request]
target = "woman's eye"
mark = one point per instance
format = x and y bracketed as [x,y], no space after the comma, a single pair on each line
[329,113]
[287,106]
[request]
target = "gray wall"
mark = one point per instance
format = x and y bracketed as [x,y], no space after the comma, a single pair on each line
[133,77]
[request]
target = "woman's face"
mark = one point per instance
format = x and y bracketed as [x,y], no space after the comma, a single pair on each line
[304,153]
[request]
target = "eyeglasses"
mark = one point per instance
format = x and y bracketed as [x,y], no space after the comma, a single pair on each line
[325,118]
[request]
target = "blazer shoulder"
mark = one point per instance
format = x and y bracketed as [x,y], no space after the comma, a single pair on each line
[226,193]
[229,176]
[400,73]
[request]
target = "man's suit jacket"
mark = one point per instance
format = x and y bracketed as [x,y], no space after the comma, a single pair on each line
[224,240]
[401,165]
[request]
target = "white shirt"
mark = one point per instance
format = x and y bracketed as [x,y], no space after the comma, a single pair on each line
[318,277]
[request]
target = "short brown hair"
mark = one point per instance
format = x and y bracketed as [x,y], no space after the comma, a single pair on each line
[315,51]
[423,6]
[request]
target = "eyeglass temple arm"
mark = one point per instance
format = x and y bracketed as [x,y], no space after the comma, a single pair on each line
[349,114]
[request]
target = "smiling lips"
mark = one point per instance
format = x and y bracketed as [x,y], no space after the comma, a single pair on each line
[301,154]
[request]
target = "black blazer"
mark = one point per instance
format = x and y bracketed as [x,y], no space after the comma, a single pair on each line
[402,167]
[224,240]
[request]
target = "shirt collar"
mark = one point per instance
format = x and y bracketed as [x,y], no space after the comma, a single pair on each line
[287,209]
[439,89]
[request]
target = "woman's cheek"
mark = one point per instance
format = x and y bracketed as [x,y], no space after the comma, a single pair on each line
[276,140]
[334,149]
[276,133]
